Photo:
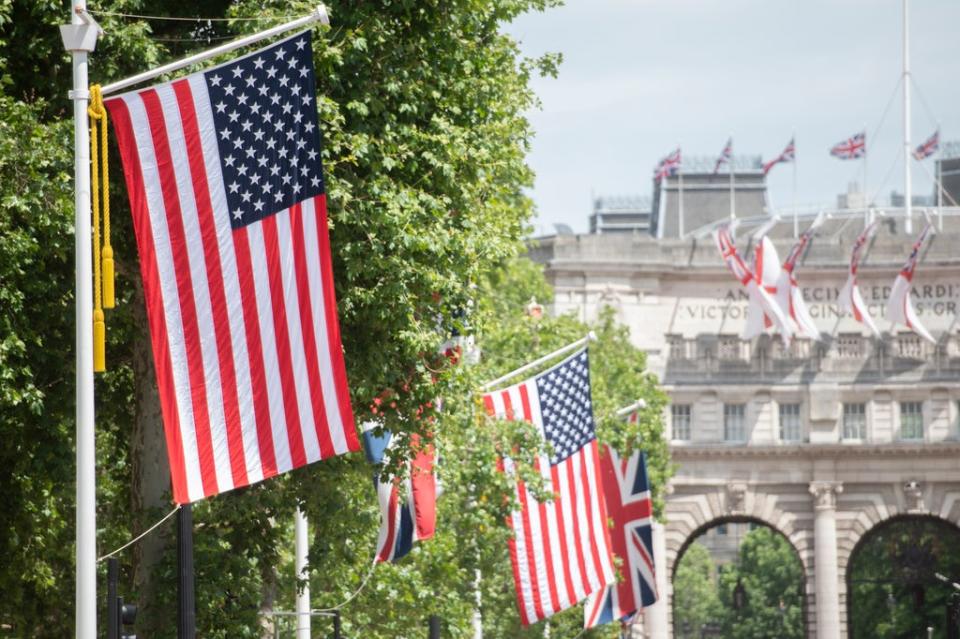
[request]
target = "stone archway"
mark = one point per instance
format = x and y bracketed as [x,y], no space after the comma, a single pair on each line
[692,509]
[725,550]
[890,577]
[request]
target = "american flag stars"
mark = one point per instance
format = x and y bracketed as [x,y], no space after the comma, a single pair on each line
[566,408]
[266,123]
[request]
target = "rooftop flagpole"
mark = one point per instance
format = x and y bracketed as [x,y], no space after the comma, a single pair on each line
[318,15]
[907,185]
[80,39]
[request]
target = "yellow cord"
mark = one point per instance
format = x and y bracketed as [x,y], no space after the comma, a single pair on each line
[103,296]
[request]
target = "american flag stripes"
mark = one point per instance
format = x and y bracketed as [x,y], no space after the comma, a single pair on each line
[726,155]
[852,148]
[899,305]
[226,190]
[929,147]
[561,548]
[789,154]
[627,493]
[408,506]
[850,299]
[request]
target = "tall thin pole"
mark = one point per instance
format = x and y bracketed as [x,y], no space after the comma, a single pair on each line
[303,596]
[733,209]
[680,201]
[866,192]
[86,515]
[907,185]
[796,221]
[939,193]
[186,605]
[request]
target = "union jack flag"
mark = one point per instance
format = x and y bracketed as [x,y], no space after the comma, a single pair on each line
[627,493]
[725,155]
[789,155]
[668,166]
[408,516]
[851,148]
[928,148]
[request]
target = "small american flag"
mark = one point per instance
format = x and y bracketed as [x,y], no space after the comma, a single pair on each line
[789,155]
[227,194]
[725,156]
[928,148]
[668,166]
[561,548]
[627,493]
[851,148]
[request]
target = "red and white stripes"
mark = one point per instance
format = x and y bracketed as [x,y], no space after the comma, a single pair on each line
[243,322]
[561,550]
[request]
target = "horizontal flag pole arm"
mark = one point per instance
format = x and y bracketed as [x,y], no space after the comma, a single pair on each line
[590,337]
[626,410]
[318,15]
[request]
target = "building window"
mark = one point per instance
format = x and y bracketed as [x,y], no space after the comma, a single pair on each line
[790,422]
[733,427]
[909,346]
[678,347]
[854,421]
[728,347]
[681,421]
[849,346]
[721,530]
[911,420]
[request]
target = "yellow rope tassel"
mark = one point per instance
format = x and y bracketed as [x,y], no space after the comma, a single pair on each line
[98,112]
[98,118]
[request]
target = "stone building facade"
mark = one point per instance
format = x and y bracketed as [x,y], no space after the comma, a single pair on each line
[822,441]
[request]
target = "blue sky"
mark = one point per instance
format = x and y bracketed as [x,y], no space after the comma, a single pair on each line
[641,76]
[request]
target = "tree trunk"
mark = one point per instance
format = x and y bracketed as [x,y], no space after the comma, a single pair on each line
[268,594]
[150,493]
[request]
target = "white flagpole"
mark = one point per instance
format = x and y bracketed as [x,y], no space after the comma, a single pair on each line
[939,187]
[318,15]
[733,210]
[303,596]
[796,221]
[907,185]
[866,192]
[590,337]
[80,38]
[680,197]
[626,410]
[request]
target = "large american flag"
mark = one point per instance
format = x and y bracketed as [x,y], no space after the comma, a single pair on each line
[227,194]
[789,154]
[851,148]
[561,548]
[627,493]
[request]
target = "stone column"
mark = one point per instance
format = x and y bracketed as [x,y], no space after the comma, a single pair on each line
[826,573]
[656,618]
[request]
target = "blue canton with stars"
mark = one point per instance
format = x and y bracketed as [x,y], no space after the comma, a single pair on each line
[265,116]
[565,406]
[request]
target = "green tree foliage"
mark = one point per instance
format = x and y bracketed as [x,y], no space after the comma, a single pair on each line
[772,579]
[695,599]
[893,592]
[422,106]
